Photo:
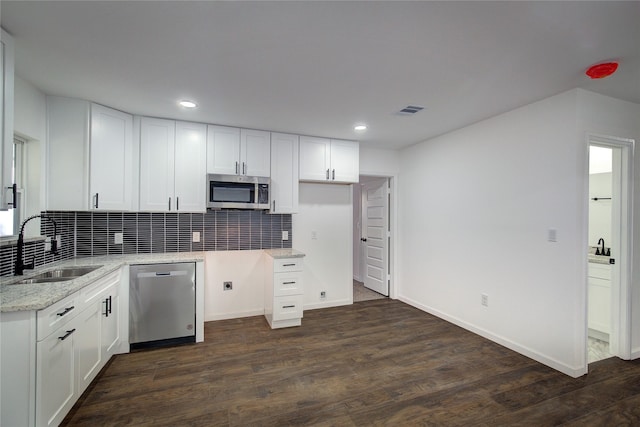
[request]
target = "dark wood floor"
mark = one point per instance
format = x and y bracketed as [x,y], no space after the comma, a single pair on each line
[373,363]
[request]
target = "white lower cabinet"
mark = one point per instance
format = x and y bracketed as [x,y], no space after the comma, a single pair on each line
[56,388]
[284,292]
[599,279]
[65,344]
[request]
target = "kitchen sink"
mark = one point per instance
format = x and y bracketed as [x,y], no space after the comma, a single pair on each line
[58,275]
[68,273]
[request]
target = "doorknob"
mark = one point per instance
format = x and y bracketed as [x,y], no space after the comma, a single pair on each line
[364,239]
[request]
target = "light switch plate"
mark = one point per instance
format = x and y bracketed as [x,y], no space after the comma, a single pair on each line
[117,238]
[196,237]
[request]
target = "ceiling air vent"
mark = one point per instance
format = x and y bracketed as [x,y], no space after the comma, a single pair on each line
[409,110]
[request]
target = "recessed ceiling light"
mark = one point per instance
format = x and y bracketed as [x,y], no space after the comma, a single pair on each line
[188,104]
[360,127]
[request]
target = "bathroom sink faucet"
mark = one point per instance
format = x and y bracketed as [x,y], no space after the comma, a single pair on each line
[20,265]
[600,250]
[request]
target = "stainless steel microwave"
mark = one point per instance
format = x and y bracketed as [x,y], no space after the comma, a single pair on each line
[237,192]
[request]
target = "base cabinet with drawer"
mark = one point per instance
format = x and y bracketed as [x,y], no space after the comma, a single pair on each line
[599,309]
[284,292]
[50,356]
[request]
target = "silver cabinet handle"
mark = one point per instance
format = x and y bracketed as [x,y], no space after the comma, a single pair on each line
[244,168]
[14,192]
[288,265]
[236,168]
[96,199]
[169,203]
[288,283]
[288,306]
[327,174]
[334,175]
[177,203]
[274,205]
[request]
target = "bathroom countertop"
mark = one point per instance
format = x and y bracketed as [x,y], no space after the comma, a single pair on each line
[37,296]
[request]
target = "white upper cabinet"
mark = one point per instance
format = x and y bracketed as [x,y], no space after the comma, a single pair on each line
[157,145]
[283,192]
[191,167]
[89,156]
[111,156]
[172,166]
[255,153]
[223,150]
[232,151]
[329,160]
[6,120]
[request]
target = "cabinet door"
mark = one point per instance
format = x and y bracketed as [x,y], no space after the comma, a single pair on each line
[314,158]
[67,154]
[157,144]
[190,167]
[88,345]
[223,150]
[6,119]
[111,173]
[345,161]
[56,390]
[284,173]
[255,153]
[110,323]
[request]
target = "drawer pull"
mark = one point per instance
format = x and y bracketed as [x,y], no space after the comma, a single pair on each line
[288,306]
[288,265]
[66,310]
[65,336]
[288,283]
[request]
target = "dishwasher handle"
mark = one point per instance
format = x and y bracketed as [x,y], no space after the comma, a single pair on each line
[172,273]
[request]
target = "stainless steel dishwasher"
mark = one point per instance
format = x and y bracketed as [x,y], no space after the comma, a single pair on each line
[162,304]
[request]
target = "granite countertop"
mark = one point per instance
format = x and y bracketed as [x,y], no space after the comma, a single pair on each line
[284,253]
[37,296]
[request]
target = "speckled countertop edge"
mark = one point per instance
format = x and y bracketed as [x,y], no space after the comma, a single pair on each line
[38,296]
[283,253]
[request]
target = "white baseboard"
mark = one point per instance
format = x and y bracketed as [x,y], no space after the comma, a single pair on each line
[545,360]
[327,304]
[635,353]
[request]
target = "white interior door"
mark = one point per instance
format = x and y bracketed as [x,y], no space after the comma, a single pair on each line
[375,235]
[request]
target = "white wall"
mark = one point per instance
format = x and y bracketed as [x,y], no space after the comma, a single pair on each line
[326,212]
[600,210]
[378,161]
[31,123]
[489,194]
[246,270]
[608,116]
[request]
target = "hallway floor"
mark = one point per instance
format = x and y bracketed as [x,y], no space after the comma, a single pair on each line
[360,293]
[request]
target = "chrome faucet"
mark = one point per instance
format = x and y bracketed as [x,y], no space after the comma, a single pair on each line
[20,265]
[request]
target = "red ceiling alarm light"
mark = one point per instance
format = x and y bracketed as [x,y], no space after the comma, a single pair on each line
[600,71]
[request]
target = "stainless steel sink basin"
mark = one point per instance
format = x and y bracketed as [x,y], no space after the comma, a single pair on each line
[58,275]
[43,280]
[70,272]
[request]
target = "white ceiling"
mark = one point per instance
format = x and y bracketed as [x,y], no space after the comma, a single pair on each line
[317,68]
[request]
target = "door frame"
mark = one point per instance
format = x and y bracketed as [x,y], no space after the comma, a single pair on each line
[622,244]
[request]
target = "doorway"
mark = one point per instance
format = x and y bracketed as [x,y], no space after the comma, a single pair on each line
[609,248]
[372,238]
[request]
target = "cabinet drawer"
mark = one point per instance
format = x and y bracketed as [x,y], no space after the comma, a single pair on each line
[93,292]
[56,315]
[287,264]
[600,271]
[289,307]
[285,284]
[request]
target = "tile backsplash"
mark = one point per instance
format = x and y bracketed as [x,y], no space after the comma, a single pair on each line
[92,233]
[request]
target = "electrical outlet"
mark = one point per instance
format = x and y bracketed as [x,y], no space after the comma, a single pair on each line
[227,286]
[485,300]
[323,294]
[552,235]
[196,237]
[314,235]
[117,238]
[285,235]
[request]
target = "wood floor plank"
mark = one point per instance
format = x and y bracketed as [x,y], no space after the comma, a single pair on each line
[378,362]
